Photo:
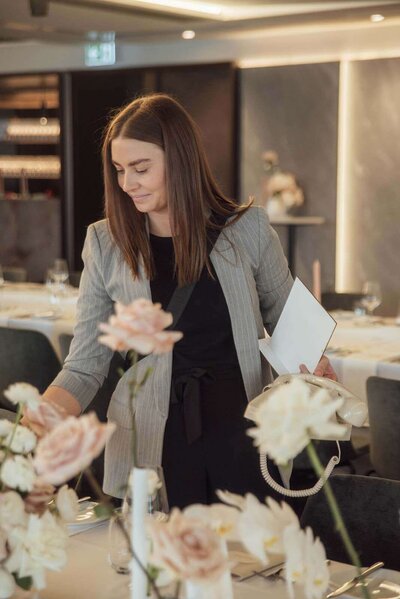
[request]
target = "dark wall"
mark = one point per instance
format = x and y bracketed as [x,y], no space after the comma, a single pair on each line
[294,111]
[208,92]
[30,235]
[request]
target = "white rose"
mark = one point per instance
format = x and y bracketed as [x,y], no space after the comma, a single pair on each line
[221,518]
[305,562]
[23,440]
[261,528]
[23,393]
[7,584]
[290,416]
[67,503]
[12,510]
[5,427]
[18,473]
[39,546]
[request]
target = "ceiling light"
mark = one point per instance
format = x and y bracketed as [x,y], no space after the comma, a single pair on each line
[188,34]
[377,18]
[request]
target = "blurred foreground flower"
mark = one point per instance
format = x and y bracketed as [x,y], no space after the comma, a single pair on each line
[140,327]
[290,417]
[33,535]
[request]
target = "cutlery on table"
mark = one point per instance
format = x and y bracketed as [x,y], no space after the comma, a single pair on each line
[354,581]
[266,572]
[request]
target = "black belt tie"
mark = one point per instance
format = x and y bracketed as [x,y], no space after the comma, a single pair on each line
[185,389]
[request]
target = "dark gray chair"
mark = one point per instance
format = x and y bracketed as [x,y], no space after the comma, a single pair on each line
[28,357]
[339,301]
[370,510]
[15,274]
[384,418]
[75,278]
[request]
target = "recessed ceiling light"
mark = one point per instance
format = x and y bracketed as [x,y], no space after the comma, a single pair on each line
[188,34]
[377,18]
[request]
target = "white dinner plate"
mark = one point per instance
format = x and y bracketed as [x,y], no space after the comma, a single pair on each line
[382,584]
[86,517]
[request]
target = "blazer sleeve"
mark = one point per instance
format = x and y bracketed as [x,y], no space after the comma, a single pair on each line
[273,278]
[87,363]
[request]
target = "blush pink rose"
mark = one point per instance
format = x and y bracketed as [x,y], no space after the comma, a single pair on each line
[139,326]
[187,548]
[70,447]
[44,418]
[36,502]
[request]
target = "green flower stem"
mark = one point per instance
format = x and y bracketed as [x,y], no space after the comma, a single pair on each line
[7,450]
[336,514]
[134,388]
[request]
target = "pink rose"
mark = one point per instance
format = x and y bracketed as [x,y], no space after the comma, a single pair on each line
[36,502]
[44,418]
[70,447]
[188,548]
[139,326]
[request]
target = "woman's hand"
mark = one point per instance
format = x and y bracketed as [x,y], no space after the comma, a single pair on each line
[324,368]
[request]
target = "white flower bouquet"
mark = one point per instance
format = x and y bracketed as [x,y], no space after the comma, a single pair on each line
[280,186]
[33,513]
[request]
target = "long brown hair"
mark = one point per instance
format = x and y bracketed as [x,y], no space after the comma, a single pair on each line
[192,192]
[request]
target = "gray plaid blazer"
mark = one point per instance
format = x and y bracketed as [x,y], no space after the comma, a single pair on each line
[255,279]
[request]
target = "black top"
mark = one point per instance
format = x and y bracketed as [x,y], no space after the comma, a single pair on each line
[205,323]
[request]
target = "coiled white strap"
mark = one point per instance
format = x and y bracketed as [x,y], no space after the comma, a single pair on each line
[299,492]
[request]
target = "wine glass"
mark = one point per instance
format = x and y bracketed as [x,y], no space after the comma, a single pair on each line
[60,272]
[372,296]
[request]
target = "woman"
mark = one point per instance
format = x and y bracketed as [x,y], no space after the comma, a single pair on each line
[164,211]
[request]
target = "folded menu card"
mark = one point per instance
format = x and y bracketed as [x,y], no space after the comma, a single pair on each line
[301,334]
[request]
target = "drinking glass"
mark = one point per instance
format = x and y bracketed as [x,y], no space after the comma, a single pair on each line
[60,271]
[372,296]
[118,547]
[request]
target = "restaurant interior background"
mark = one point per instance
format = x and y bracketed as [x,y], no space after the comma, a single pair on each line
[317,82]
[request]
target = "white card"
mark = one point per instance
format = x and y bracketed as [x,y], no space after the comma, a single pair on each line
[301,334]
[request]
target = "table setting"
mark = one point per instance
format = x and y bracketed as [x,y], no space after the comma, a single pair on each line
[32,306]
[191,553]
[364,346]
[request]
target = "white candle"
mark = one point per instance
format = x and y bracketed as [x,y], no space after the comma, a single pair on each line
[316,269]
[138,532]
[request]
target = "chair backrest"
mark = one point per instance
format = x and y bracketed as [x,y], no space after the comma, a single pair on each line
[27,357]
[370,510]
[65,341]
[15,274]
[384,419]
[75,278]
[339,301]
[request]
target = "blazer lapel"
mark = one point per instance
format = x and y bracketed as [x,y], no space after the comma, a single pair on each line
[231,274]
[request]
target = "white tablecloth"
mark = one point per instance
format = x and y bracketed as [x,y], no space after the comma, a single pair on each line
[28,306]
[359,349]
[88,575]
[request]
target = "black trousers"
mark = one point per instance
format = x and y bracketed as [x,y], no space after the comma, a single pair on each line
[223,457]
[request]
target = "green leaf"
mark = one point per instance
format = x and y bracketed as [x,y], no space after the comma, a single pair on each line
[102,510]
[25,582]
